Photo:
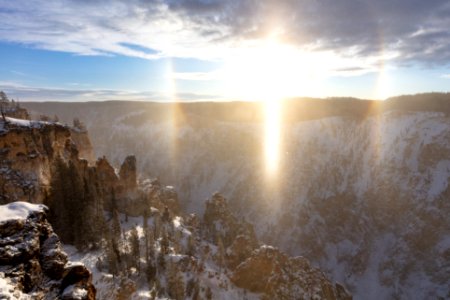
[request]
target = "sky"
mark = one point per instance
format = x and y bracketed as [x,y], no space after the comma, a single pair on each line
[172,50]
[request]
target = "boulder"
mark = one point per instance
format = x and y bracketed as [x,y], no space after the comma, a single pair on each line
[277,276]
[32,261]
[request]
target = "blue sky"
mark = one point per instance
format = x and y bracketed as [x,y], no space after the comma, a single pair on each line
[217,50]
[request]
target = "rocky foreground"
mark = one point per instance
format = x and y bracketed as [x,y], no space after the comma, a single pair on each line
[32,262]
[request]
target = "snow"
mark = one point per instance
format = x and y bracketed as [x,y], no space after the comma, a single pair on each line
[379,156]
[439,178]
[211,277]
[19,210]
[75,292]
[6,288]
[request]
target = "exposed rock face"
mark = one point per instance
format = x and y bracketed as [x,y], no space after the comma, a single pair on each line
[28,149]
[127,172]
[220,223]
[32,262]
[265,270]
[83,142]
[277,276]
[241,248]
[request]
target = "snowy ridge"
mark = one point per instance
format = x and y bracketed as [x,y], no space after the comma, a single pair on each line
[210,277]
[388,168]
[19,210]
[349,188]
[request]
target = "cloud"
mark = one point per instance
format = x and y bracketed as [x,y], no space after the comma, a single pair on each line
[197,76]
[19,92]
[408,31]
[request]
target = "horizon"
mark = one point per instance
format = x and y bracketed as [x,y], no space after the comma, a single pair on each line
[214,51]
[299,98]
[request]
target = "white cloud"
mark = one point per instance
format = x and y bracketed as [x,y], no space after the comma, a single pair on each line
[23,92]
[197,76]
[212,29]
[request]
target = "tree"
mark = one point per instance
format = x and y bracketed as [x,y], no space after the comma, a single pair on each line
[196,291]
[161,262]
[166,214]
[164,243]
[112,255]
[208,293]
[220,253]
[175,283]
[190,247]
[157,228]
[150,272]
[115,226]
[192,288]
[146,233]
[3,97]
[135,251]
[79,125]
[66,202]
[4,102]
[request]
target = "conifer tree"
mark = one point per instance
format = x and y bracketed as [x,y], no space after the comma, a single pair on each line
[157,228]
[166,214]
[164,243]
[66,202]
[161,262]
[150,272]
[208,293]
[111,254]
[190,245]
[196,291]
[175,283]
[135,251]
[220,253]
[146,233]
[115,226]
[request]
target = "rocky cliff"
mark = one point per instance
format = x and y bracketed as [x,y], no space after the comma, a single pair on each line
[28,150]
[164,255]
[356,179]
[32,262]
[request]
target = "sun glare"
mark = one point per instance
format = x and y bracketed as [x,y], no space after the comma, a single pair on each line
[269,72]
[272,136]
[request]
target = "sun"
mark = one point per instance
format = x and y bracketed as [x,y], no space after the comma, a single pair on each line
[272,68]
[269,71]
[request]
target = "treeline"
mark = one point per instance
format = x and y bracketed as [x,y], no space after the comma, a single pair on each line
[207,113]
[76,211]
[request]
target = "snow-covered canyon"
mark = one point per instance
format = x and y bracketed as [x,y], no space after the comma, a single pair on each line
[365,199]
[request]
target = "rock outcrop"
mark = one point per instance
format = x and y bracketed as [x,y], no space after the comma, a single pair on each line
[263,269]
[28,150]
[220,223]
[127,172]
[277,276]
[32,262]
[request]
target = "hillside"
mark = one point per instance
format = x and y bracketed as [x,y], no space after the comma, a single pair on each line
[132,235]
[362,189]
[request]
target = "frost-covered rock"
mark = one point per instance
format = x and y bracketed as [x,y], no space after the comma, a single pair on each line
[221,223]
[277,276]
[32,262]
[28,149]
